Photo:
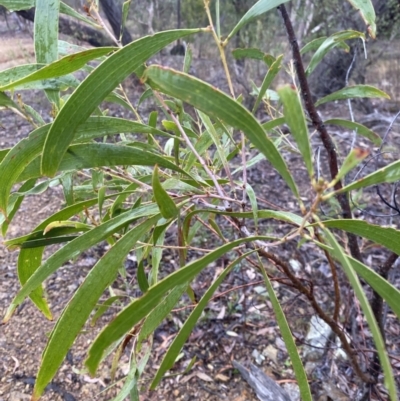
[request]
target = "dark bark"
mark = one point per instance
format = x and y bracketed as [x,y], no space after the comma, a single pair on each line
[265,387]
[320,127]
[113,11]
[330,74]
[75,29]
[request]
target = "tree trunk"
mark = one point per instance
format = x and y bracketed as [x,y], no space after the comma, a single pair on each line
[85,33]
[113,11]
[75,29]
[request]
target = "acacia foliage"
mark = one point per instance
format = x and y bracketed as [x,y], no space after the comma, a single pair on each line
[177,171]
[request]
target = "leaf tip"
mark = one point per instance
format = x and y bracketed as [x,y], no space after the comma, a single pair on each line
[361,153]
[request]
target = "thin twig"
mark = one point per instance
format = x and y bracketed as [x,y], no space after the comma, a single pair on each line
[335,280]
[220,47]
[366,377]
[105,27]
[353,142]
[244,179]
[194,151]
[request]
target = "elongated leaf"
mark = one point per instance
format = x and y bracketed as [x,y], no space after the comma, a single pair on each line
[139,308]
[387,291]
[66,48]
[95,88]
[12,166]
[353,159]
[313,45]
[64,66]
[76,225]
[386,236]
[339,254]
[8,76]
[367,11]
[28,261]
[103,308]
[259,8]
[296,120]
[176,346]
[67,10]
[141,277]
[251,162]
[75,247]
[157,315]
[270,125]
[390,173]
[351,92]
[253,202]
[335,40]
[130,386]
[359,128]
[130,383]
[288,217]
[46,36]
[271,74]
[165,203]
[216,104]
[16,5]
[251,53]
[101,154]
[15,73]
[157,251]
[39,243]
[68,188]
[16,203]
[5,101]
[216,138]
[41,235]
[82,303]
[202,144]
[3,153]
[287,335]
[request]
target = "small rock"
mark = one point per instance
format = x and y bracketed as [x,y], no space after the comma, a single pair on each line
[222,377]
[317,338]
[293,391]
[72,287]
[257,357]
[17,396]
[271,353]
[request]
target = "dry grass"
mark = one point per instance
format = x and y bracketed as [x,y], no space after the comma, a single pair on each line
[16,51]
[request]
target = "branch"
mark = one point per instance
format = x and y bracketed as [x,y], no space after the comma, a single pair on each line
[320,127]
[75,29]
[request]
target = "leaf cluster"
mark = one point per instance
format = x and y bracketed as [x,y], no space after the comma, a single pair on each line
[181,169]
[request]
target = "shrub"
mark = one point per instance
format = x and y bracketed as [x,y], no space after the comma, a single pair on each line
[179,178]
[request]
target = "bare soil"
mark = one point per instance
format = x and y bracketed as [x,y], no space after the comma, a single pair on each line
[238,324]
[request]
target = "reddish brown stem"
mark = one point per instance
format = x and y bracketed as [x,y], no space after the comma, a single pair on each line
[320,127]
[367,378]
[335,281]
